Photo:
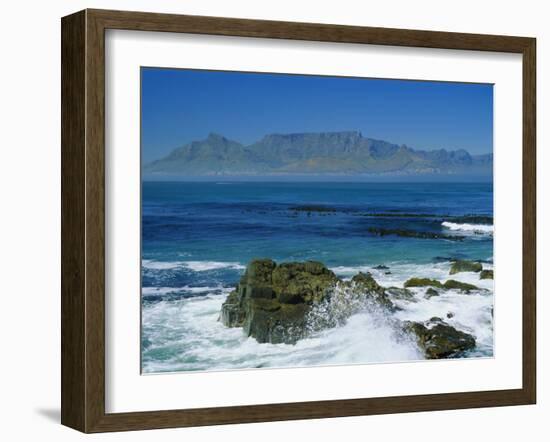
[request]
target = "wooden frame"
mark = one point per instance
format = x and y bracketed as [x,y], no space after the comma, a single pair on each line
[83,217]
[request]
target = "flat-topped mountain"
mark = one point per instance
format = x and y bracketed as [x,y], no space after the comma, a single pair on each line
[338,153]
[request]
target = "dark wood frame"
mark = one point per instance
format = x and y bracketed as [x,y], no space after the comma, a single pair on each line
[83,217]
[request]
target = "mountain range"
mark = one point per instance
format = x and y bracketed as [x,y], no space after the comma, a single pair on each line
[338,153]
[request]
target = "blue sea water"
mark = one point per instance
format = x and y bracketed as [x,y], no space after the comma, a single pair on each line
[197,238]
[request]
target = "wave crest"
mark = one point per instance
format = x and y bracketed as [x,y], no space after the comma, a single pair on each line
[478,229]
[196,266]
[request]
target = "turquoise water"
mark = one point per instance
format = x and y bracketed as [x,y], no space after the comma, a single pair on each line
[198,237]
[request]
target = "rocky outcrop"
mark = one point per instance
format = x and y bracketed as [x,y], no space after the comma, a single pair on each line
[458,285]
[401,294]
[486,274]
[430,293]
[283,303]
[472,219]
[438,339]
[275,303]
[271,301]
[423,282]
[465,266]
[365,285]
[449,284]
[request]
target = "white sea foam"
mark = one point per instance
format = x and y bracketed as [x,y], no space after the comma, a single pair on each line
[159,291]
[186,335]
[201,266]
[344,271]
[401,272]
[478,229]
[159,265]
[196,266]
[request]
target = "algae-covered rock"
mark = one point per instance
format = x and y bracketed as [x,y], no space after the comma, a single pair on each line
[486,274]
[431,292]
[399,293]
[271,321]
[438,339]
[423,282]
[256,282]
[458,285]
[295,283]
[365,283]
[232,313]
[272,301]
[282,303]
[465,266]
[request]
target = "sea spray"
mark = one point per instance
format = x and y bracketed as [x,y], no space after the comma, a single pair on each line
[345,300]
[185,335]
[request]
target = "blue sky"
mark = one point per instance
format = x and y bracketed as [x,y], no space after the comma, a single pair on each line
[179,106]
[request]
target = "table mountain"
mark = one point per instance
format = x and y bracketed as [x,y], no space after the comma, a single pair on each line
[341,153]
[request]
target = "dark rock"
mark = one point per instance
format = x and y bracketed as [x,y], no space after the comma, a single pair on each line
[381,267]
[450,315]
[422,282]
[366,280]
[271,321]
[271,301]
[256,282]
[399,293]
[430,293]
[443,258]
[472,219]
[313,208]
[380,231]
[283,303]
[295,283]
[365,284]
[486,274]
[463,286]
[232,315]
[438,339]
[399,215]
[465,266]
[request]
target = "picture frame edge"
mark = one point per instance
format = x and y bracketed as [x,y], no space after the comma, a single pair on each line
[83,218]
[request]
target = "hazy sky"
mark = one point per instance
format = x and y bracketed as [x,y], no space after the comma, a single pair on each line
[179,106]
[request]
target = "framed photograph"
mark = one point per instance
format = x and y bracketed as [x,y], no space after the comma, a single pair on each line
[267,220]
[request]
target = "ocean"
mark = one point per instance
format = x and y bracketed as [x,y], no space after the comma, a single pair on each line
[197,238]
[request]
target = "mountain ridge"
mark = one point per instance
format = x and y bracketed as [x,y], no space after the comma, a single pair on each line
[312,153]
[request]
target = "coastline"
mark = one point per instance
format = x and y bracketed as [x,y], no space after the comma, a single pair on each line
[469,310]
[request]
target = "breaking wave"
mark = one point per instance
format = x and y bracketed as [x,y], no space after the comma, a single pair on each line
[478,229]
[184,334]
[196,266]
